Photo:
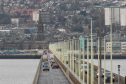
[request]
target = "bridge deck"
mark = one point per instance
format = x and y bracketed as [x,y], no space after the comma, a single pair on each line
[54,76]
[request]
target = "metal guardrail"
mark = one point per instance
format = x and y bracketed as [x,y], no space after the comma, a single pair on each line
[36,78]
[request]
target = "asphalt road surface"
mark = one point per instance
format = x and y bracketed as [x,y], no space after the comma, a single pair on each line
[54,76]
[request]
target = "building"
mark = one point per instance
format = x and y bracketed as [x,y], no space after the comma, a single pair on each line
[123,47]
[123,16]
[15,21]
[116,47]
[115,12]
[40,29]
[111,15]
[46,16]
[35,15]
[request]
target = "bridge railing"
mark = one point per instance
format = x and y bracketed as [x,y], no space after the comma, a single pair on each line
[62,54]
[36,78]
[70,57]
[70,76]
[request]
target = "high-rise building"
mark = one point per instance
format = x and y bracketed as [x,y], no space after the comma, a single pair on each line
[111,15]
[40,30]
[115,15]
[123,16]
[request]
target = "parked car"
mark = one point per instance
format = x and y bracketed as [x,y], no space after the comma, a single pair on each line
[46,66]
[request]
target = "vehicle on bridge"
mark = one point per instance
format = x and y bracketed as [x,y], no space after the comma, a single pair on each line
[55,66]
[107,75]
[45,58]
[46,66]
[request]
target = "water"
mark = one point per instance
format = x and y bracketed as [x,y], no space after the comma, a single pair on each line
[116,62]
[18,71]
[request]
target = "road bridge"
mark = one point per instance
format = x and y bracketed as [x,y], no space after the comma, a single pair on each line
[73,69]
[53,76]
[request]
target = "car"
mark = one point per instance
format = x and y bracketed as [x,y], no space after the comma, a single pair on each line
[45,58]
[97,73]
[107,75]
[55,66]
[52,61]
[46,66]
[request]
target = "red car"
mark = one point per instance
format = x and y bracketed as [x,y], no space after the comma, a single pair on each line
[55,66]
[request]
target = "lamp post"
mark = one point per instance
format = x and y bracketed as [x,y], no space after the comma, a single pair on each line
[83,49]
[87,60]
[99,56]
[79,58]
[70,54]
[73,55]
[104,60]
[118,74]
[111,81]
[91,44]
[92,63]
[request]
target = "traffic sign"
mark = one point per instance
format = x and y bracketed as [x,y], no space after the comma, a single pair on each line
[81,42]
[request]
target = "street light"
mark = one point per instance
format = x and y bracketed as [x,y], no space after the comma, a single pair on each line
[70,57]
[118,74]
[87,60]
[74,55]
[92,63]
[91,44]
[79,58]
[104,60]
[99,56]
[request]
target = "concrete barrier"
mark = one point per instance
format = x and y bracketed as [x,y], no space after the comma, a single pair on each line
[36,78]
[70,76]
[122,79]
[73,78]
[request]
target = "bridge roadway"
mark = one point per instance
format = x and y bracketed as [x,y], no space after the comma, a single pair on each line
[54,76]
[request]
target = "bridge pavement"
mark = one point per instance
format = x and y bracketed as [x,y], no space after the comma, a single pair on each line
[54,76]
